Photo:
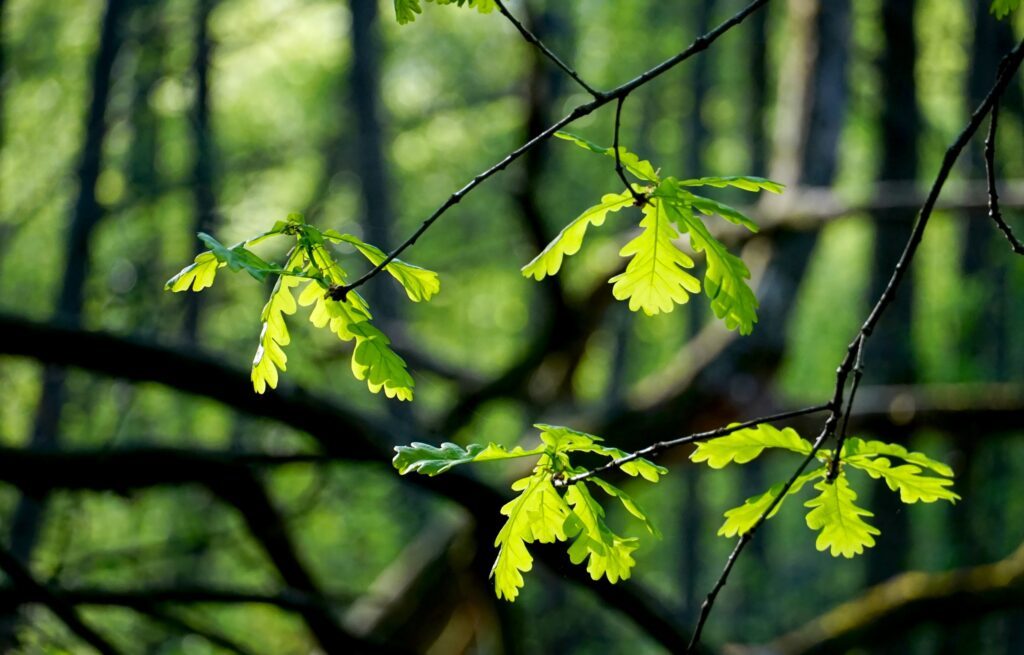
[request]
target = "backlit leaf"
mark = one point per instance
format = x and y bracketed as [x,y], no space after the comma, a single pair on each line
[655,280]
[569,240]
[840,521]
[739,520]
[907,479]
[744,445]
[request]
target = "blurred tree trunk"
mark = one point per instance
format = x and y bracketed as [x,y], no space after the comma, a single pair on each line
[890,356]
[204,195]
[85,215]
[377,215]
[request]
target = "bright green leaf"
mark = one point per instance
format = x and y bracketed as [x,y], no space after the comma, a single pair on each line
[640,168]
[739,520]
[238,258]
[270,355]
[539,513]
[842,527]
[627,501]
[710,207]
[433,460]
[725,280]
[373,360]
[610,555]
[1002,8]
[569,240]
[655,279]
[199,274]
[419,283]
[855,446]
[406,10]
[907,479]
[745,445]
[747,183]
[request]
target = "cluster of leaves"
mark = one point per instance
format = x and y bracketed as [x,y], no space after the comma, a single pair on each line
[541,512]
[310,262]
[1002,8]
[834,513]
[406,10]
[656,278]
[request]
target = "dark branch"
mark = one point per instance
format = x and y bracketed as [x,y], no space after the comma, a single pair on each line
[699,45]
[532,38]
[657,448]
[638,198]
[1007,70]
[993,193]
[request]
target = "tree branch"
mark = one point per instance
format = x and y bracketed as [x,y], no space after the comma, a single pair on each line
[532,38]
[699,45]
[993,193]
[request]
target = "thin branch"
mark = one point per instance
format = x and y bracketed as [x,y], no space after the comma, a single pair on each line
[699,45]
[993,194]
[1009,67]
[638,197]
[858,371]
[532,38]
[657,448]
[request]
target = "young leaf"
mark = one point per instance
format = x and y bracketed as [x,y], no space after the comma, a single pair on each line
[569,240]
[374,361]
[406,10]
[710,207]
[641,467]
[725,281]
[536,514]
[855,446]
[739,520]
[627,501]
[640,168]
[747,183]
[610,555]
[907,479]
[419,283]
[1002,8]
[238,258]
[655,279]
[841,522]
[745,445]
[433,460]
[274,337]
[199,274]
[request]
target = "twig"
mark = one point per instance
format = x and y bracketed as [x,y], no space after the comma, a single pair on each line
[661,446]
[1006,72]
[993,194]
[638,198]
[858,371]
[532,38]
[699,45]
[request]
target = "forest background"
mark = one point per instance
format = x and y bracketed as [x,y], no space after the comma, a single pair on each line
[152,494]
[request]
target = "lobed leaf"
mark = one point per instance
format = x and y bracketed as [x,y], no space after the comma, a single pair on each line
[655,279]
[710,207]
[238,258]
[907,479]
[745,445]
[840,521]
[419,283]
[569,240]
[536,514]
[274,336]
[627,501]
[609,554]
[1002,8]
[745,182]
[740,520]
[725,280]
[855,446]
[433,460]
[406,10]
[640,168]
[199,274]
